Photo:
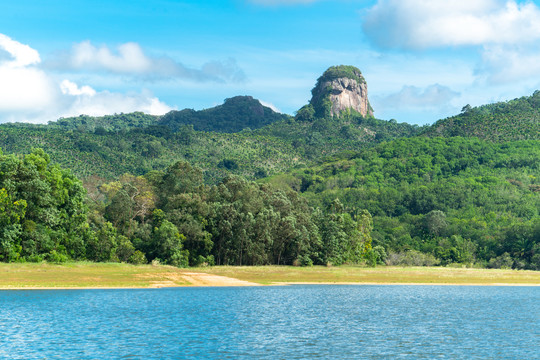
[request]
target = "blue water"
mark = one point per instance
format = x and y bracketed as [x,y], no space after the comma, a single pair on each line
[294,322]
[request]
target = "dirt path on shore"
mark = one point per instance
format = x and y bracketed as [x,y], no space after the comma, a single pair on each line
[203,279]
[198,279]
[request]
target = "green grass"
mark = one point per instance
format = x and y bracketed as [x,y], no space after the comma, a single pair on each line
[384,275]
[114,275]
[87,275]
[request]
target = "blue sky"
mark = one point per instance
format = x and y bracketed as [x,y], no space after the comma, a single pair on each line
[423,59]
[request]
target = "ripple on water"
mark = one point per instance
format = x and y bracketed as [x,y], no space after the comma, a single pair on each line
[290,322]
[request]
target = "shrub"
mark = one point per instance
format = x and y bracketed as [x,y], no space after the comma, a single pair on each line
[56,257]
[138,258]
[501,262]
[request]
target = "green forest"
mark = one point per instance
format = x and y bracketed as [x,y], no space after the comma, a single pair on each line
[438,200]
[168,216]
[239,184]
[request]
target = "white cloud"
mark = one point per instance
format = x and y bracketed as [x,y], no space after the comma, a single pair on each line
[22,86]
[417,24]
[105,102]
[29,94]
[22,55]
[25,88]
[70,88]
[130,59]
[416,105]
[270,105]
[502,65]
[433,96]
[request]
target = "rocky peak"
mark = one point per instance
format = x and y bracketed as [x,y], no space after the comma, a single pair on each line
[338,89]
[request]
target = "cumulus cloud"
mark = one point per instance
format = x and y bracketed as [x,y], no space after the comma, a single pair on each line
[29,94]
[418,24]
[22,86]
[85,100]
[21,55]
[70,88]
[433,96]
[130,59]
[506,64]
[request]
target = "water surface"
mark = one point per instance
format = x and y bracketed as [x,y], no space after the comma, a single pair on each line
[291,322]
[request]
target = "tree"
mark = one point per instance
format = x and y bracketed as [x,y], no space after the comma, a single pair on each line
[435,222]
[306,113]
[102,244]
[167,245]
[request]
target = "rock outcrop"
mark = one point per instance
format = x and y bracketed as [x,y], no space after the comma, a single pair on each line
[341,88]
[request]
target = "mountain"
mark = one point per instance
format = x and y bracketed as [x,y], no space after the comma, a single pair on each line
[517,119]
[341,88]
[245,138]
[241,137]
[236,114]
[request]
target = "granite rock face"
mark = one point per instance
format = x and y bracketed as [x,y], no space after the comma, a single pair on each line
[345,88]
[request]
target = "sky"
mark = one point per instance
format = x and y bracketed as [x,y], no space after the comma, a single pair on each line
[423,59]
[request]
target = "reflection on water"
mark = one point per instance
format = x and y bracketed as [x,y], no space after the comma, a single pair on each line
[294,322]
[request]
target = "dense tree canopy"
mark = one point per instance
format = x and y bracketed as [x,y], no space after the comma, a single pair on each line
[459,200]
[517,119]
[169,216]
[42,209]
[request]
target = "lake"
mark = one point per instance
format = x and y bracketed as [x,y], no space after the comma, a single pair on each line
[285,322]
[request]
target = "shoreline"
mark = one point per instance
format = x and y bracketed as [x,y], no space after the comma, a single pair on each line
[260,285]
[102,276]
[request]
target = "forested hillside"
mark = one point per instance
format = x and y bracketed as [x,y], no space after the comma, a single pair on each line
[236,114]
[416,201]
[317,138]
[453,200]
[103,124]
[110,146]
[517,119]
[139,150]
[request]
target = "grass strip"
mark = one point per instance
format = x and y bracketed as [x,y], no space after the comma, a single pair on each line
[379,275]
[114,275]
